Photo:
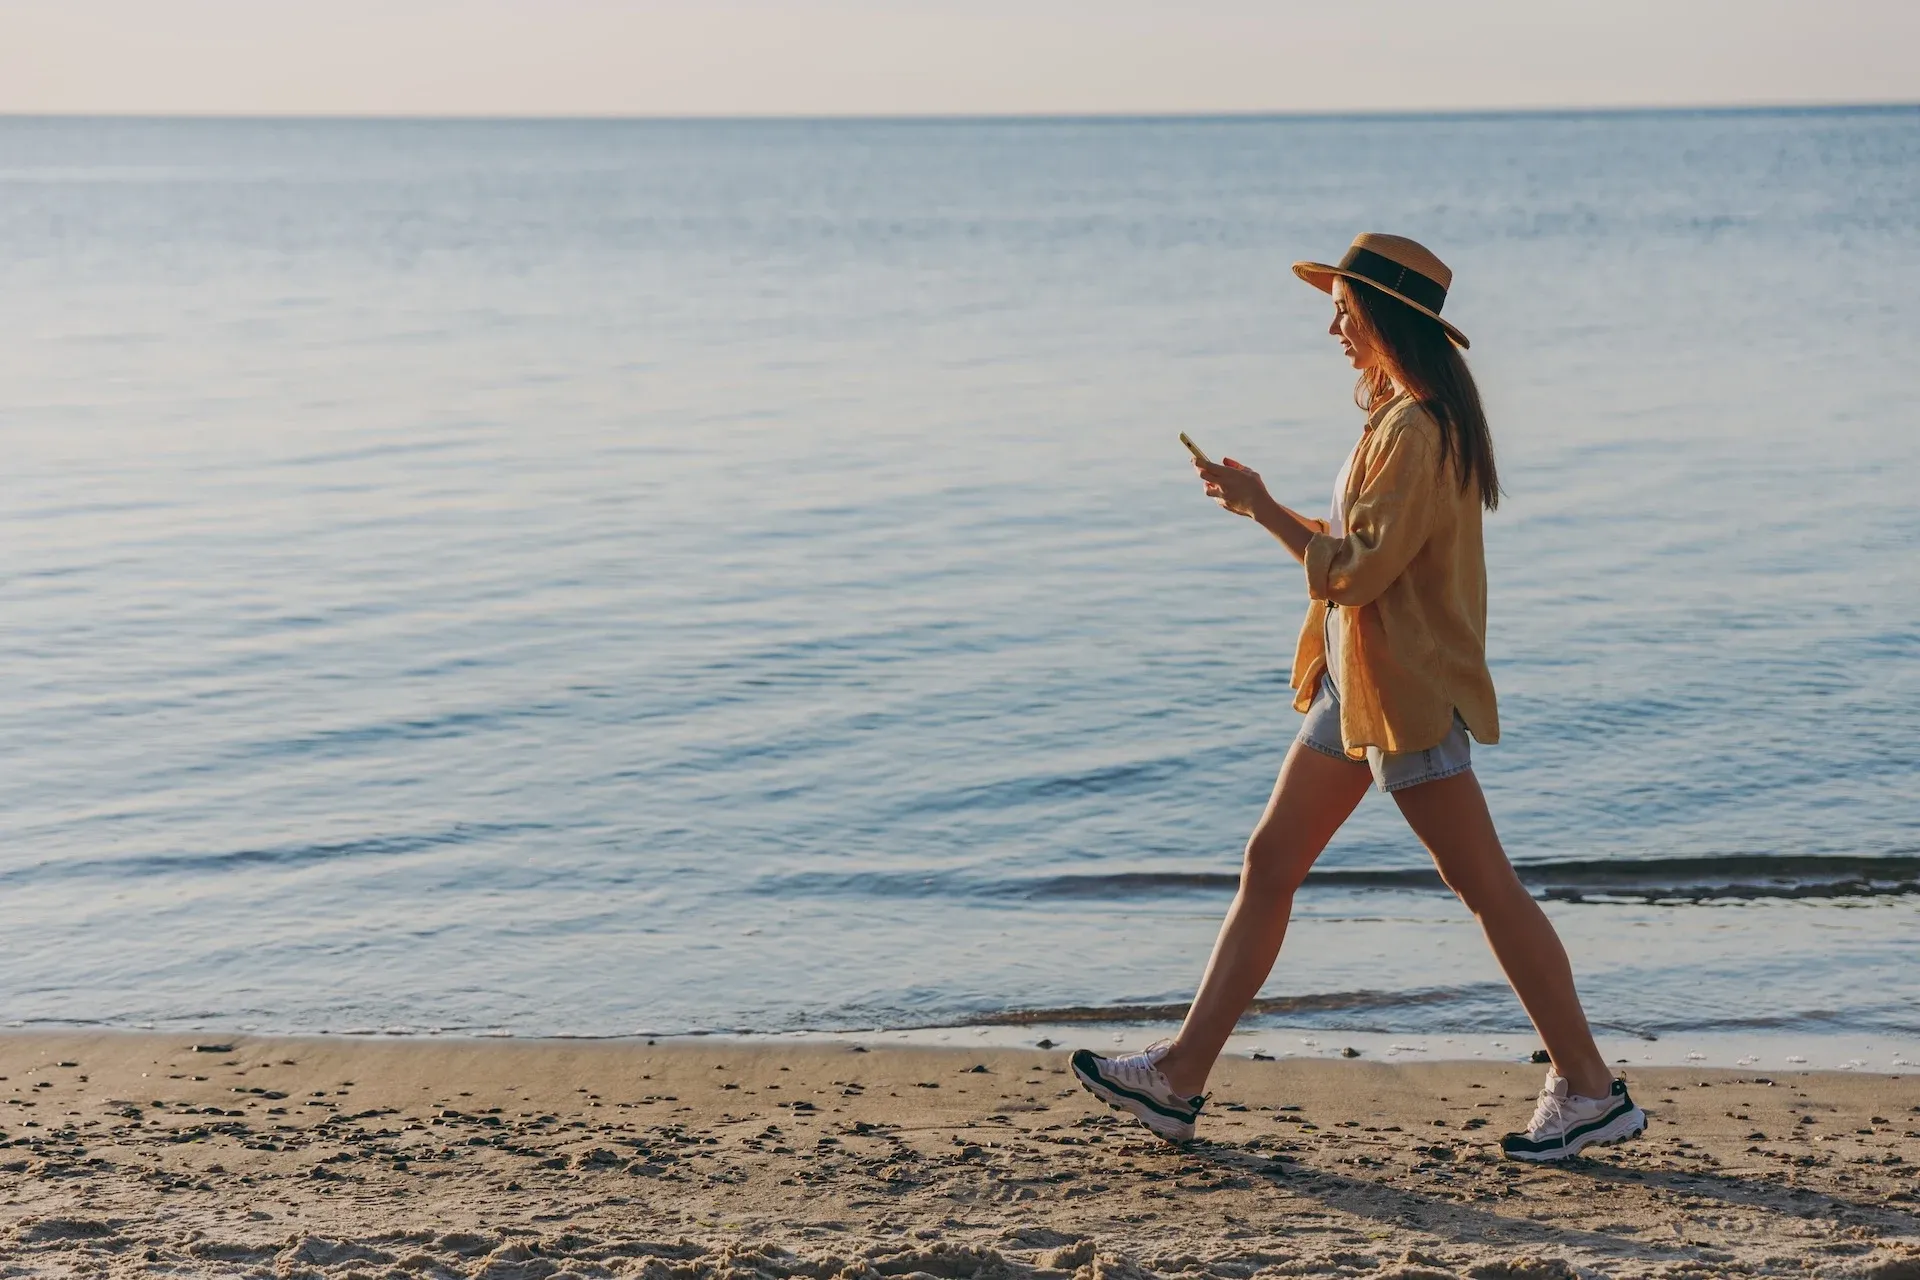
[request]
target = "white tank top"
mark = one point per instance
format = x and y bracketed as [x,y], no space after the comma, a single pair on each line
[1337,528]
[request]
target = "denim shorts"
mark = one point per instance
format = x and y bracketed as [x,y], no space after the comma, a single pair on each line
[1391,772]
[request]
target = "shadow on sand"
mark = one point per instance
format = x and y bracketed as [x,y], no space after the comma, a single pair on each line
[1468,1220]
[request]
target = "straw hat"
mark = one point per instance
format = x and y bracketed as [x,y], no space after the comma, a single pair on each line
[1394,265]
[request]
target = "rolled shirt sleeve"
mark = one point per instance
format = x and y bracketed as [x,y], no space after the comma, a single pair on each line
[1387,523]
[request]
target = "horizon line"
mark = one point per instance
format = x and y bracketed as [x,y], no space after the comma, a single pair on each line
[987,117]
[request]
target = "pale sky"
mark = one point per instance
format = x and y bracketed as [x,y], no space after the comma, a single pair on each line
[914,57]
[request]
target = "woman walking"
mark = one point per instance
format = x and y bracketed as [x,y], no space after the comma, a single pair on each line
[1391,672]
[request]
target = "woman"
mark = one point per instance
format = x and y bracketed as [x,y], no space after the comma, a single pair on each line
[1391,672]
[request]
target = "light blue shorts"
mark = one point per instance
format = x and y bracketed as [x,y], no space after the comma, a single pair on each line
[1391,772]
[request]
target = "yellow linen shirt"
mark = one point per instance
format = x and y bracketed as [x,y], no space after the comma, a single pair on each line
[1411,575]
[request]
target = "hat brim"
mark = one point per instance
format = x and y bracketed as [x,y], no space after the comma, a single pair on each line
[1321,277]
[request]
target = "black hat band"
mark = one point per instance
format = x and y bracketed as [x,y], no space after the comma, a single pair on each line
[1387,273]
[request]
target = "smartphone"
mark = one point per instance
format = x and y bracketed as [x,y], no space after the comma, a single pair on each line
[1194,449]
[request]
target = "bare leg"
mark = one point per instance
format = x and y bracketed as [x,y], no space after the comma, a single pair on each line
[1312,797]
[1450,817]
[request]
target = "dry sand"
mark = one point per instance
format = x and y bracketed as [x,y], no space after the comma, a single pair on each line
[145,1155]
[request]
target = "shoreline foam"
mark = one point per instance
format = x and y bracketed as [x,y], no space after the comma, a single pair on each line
[1765,1049]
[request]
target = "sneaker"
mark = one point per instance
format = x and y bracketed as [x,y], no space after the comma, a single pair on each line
[1564,1122]
[1134,1084]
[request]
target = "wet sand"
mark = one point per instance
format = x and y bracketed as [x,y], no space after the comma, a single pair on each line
[146,1154]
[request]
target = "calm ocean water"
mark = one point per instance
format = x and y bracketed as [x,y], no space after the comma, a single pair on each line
[575,578]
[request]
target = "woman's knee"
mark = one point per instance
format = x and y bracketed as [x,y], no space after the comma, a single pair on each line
[1486,891]
[1273,866]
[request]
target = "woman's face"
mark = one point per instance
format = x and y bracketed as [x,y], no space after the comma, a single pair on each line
[1347,326]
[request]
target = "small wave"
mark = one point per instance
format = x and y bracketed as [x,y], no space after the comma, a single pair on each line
[276,856]
[1271,1006]
[358,739]
[1131,777]
[1680,880]
[1140,884]
[1729,877]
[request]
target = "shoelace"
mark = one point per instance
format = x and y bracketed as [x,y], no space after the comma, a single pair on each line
[1143,1063]
[1549,1109]
[1146,1062]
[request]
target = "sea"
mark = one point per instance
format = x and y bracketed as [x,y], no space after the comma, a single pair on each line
[658,578]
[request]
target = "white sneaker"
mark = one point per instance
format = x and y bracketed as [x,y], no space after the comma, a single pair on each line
[1564,1122]
[1134,1084]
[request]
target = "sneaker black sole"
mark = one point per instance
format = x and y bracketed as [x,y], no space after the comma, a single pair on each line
[1630,1123]
[1154,1115]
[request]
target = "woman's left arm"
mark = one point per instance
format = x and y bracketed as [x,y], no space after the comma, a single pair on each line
[1387,523]
[1243,492]
[1294,530]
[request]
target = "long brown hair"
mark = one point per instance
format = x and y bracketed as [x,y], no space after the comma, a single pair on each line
[1419,356]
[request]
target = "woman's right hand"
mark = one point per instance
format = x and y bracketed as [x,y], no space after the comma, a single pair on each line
[1236,488]
[1242,492]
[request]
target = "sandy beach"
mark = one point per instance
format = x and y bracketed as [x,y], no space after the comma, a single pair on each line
[146,1154]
